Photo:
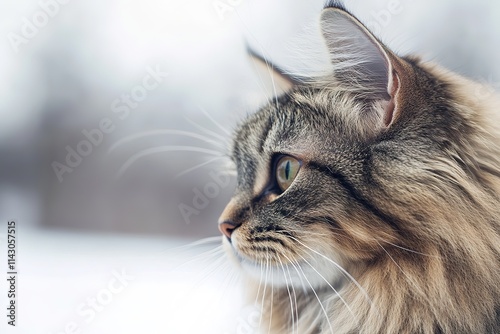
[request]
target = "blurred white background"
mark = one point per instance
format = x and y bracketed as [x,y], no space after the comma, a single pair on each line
[69,67]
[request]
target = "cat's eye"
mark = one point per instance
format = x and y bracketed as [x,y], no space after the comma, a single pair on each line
[287,168]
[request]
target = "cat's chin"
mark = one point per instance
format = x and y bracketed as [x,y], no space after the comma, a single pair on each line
[312,273]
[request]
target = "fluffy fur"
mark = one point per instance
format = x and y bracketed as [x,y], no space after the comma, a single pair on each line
[393,223]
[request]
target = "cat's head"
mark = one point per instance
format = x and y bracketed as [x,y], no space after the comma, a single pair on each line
[343,167]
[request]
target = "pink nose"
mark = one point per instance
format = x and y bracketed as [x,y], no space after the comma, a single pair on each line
[227,228]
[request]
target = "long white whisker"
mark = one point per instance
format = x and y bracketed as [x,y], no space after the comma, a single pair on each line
[213,268]
[319,301]
[216,265]
[411,250]
[163,132]
[164,149]
[340,268]
[228,281]
[331,287]
[260,282]
[308,233]
[264,293]
[289,293]
[295,264]
[198,166]
[295,301]
[201,242]
[401,269]
[272,301]
[214,121]
[207,254]
[207,131]
[304,289]
[223,284]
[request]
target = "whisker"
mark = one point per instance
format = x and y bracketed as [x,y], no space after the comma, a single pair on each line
[264,293]
[207,131]
[295,301]
[229,172]
[289,293]
[163,132]
[295,264]
[222,285]
[163,149]
[201,242]
[331,287]
[305,233]
[215,266]
[410,280]
[410,250]
[196,283]
[198,166]
[272,301]
[361,237]
[367,297]
[260,282]
[301,281]
[319,301]
[207,254]
[297,319]
[230,280]
[214,121]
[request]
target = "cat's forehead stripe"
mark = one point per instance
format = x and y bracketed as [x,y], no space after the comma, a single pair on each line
[250,151]
[263,156]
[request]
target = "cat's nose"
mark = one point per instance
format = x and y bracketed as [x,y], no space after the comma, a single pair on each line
[227,227]
[227,221]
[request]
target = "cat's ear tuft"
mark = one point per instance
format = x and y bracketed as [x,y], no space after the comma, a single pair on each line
[335,4]
[360,61]
[275,80]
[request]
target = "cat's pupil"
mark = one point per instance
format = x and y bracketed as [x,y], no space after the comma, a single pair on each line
[287,170]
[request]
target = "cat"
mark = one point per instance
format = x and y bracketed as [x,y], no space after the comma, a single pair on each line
[368,199]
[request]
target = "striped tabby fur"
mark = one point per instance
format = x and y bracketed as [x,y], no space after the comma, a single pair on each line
[393,223]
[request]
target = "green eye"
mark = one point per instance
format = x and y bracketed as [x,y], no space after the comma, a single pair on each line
[286,171]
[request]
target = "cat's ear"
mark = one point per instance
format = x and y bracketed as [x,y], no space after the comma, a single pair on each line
[275,81]
[360,61]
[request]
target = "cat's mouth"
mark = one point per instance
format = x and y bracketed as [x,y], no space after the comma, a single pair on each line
[258,254]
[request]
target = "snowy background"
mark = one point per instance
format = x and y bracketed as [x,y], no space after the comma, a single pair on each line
[124,206]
